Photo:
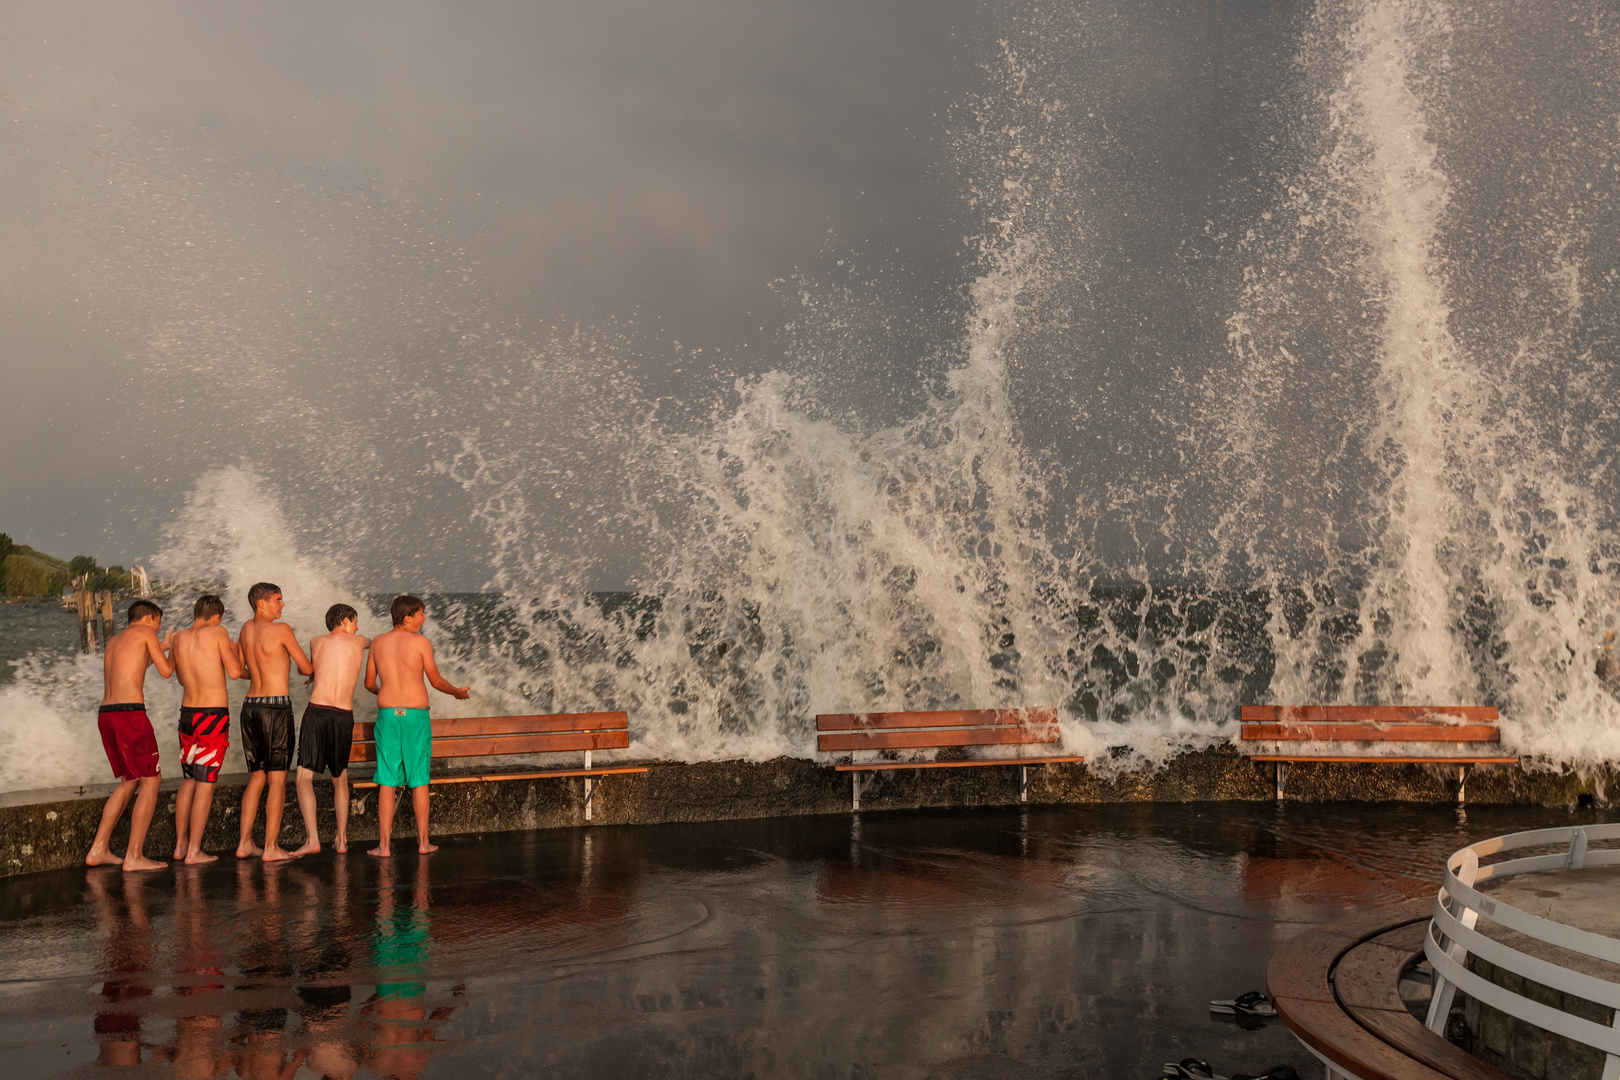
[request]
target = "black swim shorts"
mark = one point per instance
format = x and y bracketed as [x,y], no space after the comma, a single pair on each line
[324,739]
[267,733]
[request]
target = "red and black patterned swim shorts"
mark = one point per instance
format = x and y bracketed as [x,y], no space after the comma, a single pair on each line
[205,735]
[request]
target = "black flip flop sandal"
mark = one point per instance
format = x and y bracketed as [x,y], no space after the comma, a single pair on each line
[1254,1003]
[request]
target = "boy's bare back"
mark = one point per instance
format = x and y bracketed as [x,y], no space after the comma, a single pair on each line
[400,660]
[205,657]
[338,659]
[124,666]
[269,649]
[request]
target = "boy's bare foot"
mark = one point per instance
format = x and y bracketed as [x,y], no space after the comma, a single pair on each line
[341,846]
[248,850]
[381,852]
[275,854]
[103,858]
[141,862]
[200,857]
[426,849]
[311,847]
[179,853]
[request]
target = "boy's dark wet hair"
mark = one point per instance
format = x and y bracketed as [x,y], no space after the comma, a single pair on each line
[262,591]
[337,613]
[144,609]
[404,607]
[207,606]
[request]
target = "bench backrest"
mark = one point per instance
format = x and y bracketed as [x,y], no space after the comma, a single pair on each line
[932,730]
[487,736]
[1371,723]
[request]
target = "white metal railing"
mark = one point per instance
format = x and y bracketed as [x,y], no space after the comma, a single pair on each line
[1452,936]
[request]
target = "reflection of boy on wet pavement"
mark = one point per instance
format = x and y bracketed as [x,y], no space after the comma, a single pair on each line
[327,733]
[321,939]
[269,649]
[402,940]
[262,954]
[127,736]
[198,1050]
[398,662]
[204,658]
[126,954]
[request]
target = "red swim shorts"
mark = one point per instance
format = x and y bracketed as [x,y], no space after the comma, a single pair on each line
[132,748]
[205,735]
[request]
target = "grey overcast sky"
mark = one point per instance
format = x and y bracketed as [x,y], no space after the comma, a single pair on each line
[645,161]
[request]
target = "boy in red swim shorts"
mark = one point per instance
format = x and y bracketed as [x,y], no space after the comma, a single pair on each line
[204,657]
[126,733]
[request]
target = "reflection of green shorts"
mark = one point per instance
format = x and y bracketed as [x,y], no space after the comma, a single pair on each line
[404,745]
[399,951]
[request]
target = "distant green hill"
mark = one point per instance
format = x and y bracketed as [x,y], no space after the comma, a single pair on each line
[27,572]
[48,560]
[31,575]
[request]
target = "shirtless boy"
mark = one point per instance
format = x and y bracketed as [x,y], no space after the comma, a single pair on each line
[204,657]
[404,735]
[269,649]
[127,736]
[327,733]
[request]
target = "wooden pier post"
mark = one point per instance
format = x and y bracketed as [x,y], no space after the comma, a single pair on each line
[82,604]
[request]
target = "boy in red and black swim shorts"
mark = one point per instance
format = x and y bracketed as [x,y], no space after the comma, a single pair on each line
[206,659]
[126,733]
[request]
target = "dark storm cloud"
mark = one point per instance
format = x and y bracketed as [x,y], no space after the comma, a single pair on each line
[654,161]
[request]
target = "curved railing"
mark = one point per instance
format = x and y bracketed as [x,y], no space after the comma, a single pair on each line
[1452,936]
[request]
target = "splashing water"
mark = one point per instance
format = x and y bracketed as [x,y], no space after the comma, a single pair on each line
[1392,484]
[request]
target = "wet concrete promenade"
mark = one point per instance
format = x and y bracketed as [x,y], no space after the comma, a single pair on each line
[1053,942]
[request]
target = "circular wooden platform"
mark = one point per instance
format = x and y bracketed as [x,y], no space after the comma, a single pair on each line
[1337,988]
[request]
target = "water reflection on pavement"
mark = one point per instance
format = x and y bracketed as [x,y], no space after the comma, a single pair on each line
[1069,942]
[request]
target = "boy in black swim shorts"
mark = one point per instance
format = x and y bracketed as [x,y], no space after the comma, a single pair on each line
[269,650]
[327,733]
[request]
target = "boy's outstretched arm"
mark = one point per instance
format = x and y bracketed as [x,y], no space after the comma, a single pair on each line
[296,651]
[437,681]
[159,651]
[230,654]
[372,685]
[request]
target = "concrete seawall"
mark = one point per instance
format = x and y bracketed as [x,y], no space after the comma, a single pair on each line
[47,830]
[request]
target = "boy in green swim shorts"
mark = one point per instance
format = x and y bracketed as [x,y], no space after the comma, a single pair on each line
[398,662]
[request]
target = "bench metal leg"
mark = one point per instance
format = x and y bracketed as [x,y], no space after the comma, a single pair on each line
[1282,778]
[1462,782]
[590,787]
[858,785]
[1023,783]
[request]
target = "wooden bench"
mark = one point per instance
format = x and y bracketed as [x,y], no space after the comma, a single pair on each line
[491,736]
[1469,728]
[890,731]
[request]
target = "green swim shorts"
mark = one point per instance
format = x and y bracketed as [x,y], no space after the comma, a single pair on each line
[404,746]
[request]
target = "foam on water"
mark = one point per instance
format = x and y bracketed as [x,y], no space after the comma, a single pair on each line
[1392,486]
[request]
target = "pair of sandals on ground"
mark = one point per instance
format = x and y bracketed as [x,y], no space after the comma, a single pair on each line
[1251,1006]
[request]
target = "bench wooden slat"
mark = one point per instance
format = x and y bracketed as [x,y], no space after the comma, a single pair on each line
[611,770]
[1368,714]
[1380,759]
[933,737]
[490,746]
[1037,715]
[509,725]
[1404,731]
[877,766]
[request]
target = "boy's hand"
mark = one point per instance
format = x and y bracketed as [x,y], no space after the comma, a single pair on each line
[462,693]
